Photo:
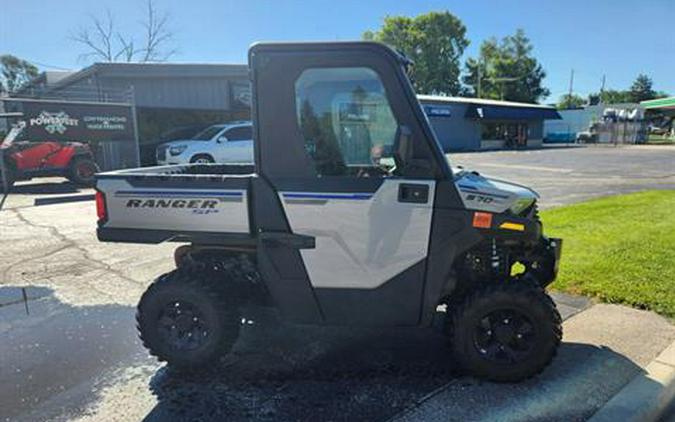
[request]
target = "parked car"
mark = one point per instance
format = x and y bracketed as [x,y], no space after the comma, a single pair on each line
[586,137]
[223,143]
[149,149]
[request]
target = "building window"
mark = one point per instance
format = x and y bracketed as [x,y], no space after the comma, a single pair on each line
[513,133]
[493,131]
[346,121]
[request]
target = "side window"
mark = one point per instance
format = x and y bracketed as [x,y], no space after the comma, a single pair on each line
[239,134]
[346,121]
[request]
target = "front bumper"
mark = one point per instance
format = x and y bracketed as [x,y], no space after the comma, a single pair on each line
[547,258]
[164,158]
[555,246]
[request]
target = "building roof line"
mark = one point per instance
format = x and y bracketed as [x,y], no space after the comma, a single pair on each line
[102,67]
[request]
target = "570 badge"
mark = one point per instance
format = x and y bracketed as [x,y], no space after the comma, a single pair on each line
[479,198]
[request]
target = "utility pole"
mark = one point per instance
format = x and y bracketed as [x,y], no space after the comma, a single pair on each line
[602,88]
[502,81]
[569,97]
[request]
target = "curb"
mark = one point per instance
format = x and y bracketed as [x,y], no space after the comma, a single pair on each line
[647,396]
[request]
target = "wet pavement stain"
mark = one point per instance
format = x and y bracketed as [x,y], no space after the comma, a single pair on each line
[56,347]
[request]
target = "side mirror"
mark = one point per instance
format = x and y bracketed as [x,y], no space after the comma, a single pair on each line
[406,161]
[402,147]
[221,139]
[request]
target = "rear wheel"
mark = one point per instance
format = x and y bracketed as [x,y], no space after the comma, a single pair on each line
[186,320]
[82,171]
[505,332]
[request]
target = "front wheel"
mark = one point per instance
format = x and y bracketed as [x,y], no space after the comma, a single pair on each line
[505,332]
[185,320]
[202,159]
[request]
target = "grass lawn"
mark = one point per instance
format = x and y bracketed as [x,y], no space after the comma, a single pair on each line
[620,249]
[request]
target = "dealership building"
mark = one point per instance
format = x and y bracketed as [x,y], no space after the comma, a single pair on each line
[470,124]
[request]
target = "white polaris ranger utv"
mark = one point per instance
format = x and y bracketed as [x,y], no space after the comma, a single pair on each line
[351,215]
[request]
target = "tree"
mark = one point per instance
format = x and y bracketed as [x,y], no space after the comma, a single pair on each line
[15,73]
[593,98]
[614,96]
[570,101]
[610,96]
[434,41]
[506,70]
[104,43]
[641,89]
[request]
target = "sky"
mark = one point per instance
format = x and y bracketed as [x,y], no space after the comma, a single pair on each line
[618,39]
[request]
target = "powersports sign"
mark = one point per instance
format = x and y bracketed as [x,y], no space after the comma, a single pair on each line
[70,121]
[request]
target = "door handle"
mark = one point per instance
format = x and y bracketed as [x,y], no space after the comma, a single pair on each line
[414,193]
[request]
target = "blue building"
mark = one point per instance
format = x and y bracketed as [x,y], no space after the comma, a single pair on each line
[469,124]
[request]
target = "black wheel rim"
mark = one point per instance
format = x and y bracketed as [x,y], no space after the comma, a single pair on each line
[182,326]
[505,336]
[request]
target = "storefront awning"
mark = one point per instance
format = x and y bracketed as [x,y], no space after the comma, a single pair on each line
[661,103]
[499,112]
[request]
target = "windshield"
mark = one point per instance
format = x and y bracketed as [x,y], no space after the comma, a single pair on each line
[208,133]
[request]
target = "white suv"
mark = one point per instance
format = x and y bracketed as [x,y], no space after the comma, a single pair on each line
[225,143]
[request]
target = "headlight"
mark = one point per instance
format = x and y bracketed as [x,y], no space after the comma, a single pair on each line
[521,205]
[177,150]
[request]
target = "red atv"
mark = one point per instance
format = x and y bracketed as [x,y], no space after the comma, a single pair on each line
[25,160]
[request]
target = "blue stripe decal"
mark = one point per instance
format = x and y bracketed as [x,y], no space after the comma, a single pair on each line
[311,195]
[467,187]
[179,194]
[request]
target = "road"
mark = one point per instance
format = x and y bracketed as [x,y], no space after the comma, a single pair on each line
[69,351]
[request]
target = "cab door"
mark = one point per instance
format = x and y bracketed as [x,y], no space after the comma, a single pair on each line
[354,172]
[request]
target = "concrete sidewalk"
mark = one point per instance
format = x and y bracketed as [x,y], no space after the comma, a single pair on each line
[604,349]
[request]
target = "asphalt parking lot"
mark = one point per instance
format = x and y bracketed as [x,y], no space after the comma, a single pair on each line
[68,348]
[564,175]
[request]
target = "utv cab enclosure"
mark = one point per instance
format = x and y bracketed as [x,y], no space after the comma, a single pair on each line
[351,215]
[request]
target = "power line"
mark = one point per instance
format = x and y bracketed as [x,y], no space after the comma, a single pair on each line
[48,66]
